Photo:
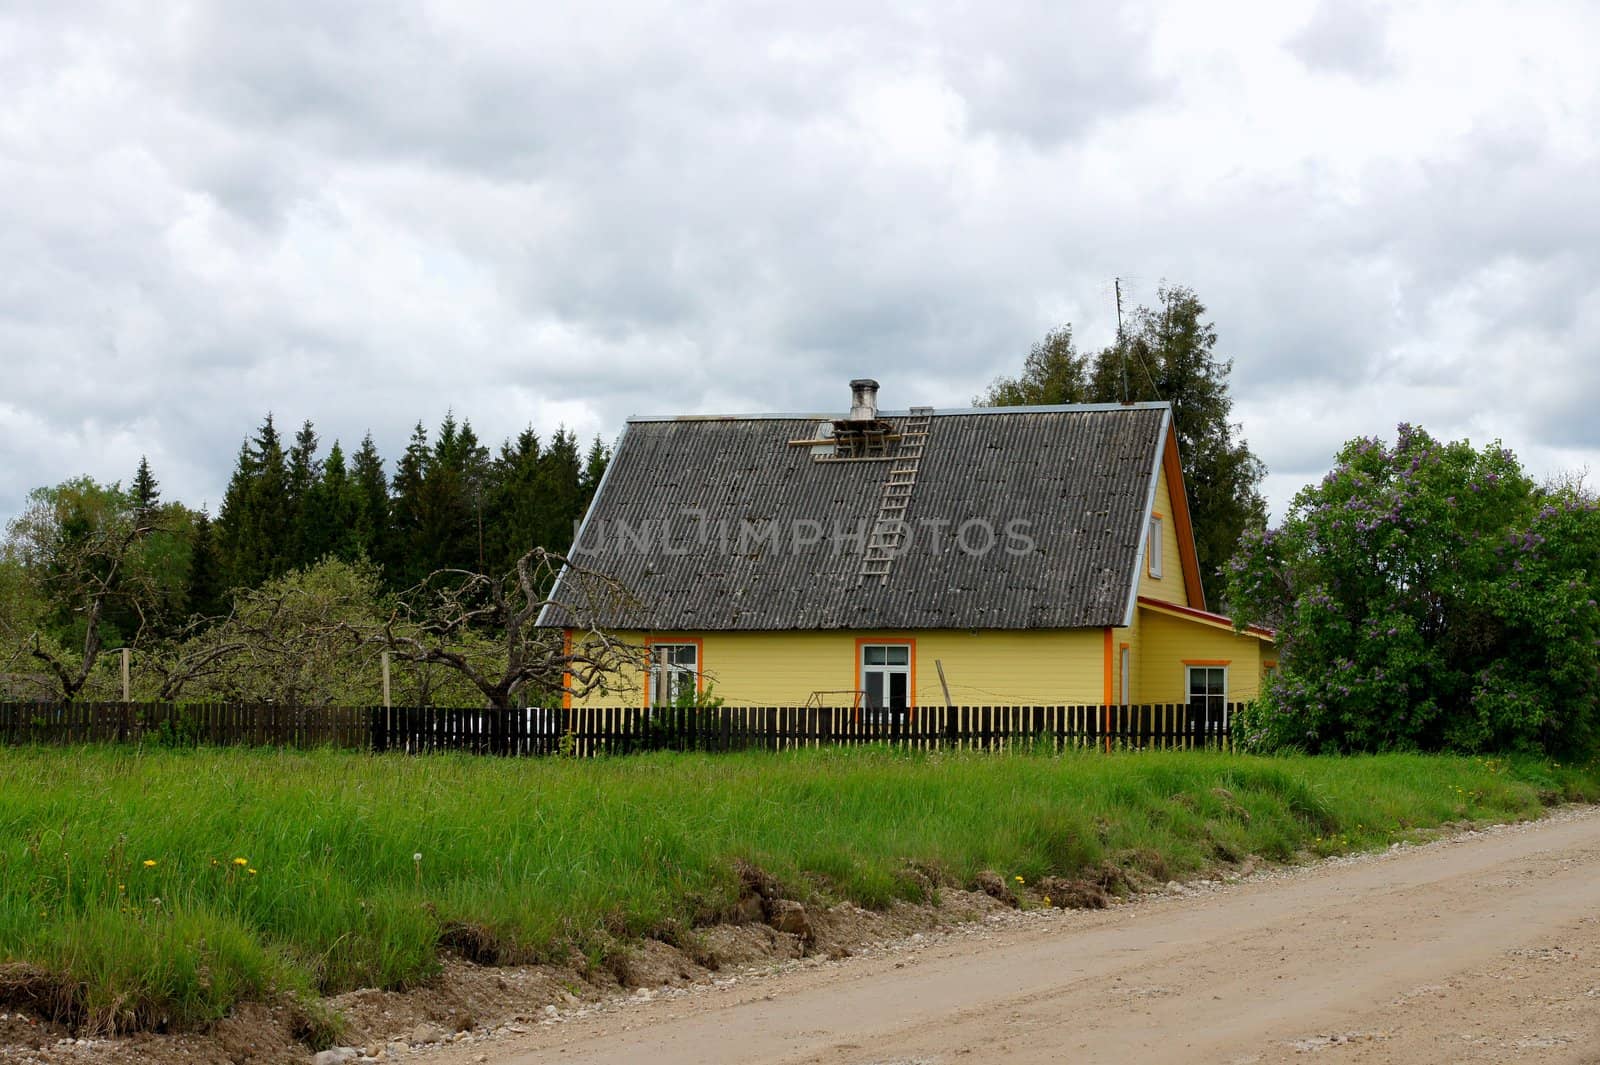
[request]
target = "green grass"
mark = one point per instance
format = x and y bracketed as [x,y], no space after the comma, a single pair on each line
[279,872]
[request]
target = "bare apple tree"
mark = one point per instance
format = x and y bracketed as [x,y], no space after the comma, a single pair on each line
[79,545]
[488,629]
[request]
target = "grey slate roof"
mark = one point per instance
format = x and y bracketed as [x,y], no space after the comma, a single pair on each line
[1081,478]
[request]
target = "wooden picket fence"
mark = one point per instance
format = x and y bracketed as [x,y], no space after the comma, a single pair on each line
[587,732]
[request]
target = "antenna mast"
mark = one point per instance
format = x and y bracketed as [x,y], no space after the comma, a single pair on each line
[1122,349]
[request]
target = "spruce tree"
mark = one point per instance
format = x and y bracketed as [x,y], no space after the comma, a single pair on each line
[203,588]
[403,564]
[328,523]
[146,491]
[560,492]
[254,533]
[234,519]
[372,531]
[513,507]
[594,468]
[303,472]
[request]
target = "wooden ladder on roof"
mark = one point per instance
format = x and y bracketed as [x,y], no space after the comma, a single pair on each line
[889,528]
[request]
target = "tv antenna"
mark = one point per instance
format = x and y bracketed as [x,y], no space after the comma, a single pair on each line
[1122,348]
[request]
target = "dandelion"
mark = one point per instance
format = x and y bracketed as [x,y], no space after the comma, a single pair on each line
[149,863]
[1020,880]
[241,861]
[1047,900]
[252,872]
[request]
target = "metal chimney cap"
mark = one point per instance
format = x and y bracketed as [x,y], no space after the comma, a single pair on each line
[863,400]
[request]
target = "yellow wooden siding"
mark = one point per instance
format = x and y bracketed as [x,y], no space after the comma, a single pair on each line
[1169,587]
[994,667]
[1034,667]
[1167,642]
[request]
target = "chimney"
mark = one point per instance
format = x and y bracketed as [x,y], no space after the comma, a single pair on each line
[863,400]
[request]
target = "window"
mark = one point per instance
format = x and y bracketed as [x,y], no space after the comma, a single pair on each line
[886,676]
[1153,549]
[1127,674]
[1208,692]
[674,673]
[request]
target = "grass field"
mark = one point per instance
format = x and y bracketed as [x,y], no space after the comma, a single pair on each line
[163,886]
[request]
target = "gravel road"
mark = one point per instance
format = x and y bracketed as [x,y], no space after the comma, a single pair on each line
[1480,947]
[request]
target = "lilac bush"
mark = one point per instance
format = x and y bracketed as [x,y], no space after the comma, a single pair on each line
[1427,596]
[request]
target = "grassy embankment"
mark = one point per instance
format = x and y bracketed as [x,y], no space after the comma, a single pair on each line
[163,886]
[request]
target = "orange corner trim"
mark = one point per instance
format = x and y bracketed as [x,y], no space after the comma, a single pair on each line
[566,674]
[1219,620]
[1108,684]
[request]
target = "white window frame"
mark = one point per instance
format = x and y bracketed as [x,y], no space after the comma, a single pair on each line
[885,669]
[1188,690]
[668,675]
[1155,549]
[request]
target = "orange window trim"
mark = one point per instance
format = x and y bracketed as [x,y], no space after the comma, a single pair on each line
[1208,661]
[1157,514]
[566,674]
[911,679]
[699,661]
[1179,498]
[1269,663]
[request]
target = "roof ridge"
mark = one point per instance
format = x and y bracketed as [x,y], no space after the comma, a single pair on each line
[937,412]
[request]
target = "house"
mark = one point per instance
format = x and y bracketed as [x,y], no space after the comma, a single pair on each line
[896,559]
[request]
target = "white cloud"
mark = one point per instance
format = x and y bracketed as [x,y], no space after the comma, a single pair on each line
[368,215]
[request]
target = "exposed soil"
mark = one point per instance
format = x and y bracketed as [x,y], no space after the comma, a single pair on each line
[1479,946]
[470,1001]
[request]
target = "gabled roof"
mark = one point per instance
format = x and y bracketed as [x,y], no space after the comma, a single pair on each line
[680,516]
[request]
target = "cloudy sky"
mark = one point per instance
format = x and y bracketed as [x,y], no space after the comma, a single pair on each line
[366,214]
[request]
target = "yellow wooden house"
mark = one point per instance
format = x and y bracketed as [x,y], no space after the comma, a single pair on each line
[896,559]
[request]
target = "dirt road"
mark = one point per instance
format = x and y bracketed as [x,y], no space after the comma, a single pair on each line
[1483,948]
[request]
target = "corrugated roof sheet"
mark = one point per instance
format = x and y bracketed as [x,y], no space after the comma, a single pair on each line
[680,517]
